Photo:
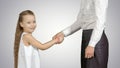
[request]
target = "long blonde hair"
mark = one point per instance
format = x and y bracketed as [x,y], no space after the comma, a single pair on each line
[19,31]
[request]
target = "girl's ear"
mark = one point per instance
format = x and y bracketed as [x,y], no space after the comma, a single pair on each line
[21,24]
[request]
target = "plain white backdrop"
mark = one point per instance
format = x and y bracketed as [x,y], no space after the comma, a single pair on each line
[52,16]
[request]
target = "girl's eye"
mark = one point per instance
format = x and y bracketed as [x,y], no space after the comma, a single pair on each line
[28,22]
[34,21]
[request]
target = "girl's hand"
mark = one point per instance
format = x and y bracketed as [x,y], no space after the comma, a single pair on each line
[56,40]
[60,36]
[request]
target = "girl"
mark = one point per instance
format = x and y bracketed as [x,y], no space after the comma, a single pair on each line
[26,47]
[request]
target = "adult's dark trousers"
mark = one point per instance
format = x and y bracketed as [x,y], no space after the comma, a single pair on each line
[100,59]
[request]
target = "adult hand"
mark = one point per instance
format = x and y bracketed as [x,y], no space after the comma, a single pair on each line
[89,52]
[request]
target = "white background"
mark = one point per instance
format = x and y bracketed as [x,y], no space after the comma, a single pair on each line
[52,16]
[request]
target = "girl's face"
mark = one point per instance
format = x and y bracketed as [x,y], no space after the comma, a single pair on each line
[28,23]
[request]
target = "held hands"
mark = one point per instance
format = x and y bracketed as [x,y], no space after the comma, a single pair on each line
[89,52]
[59,37]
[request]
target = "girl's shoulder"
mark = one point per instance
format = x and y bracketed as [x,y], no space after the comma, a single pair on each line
[27,36]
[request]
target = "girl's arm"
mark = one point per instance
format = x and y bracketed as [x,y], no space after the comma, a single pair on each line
[32,41]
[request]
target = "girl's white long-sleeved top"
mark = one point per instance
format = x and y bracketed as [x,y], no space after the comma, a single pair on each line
[92,15]
[28,56]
